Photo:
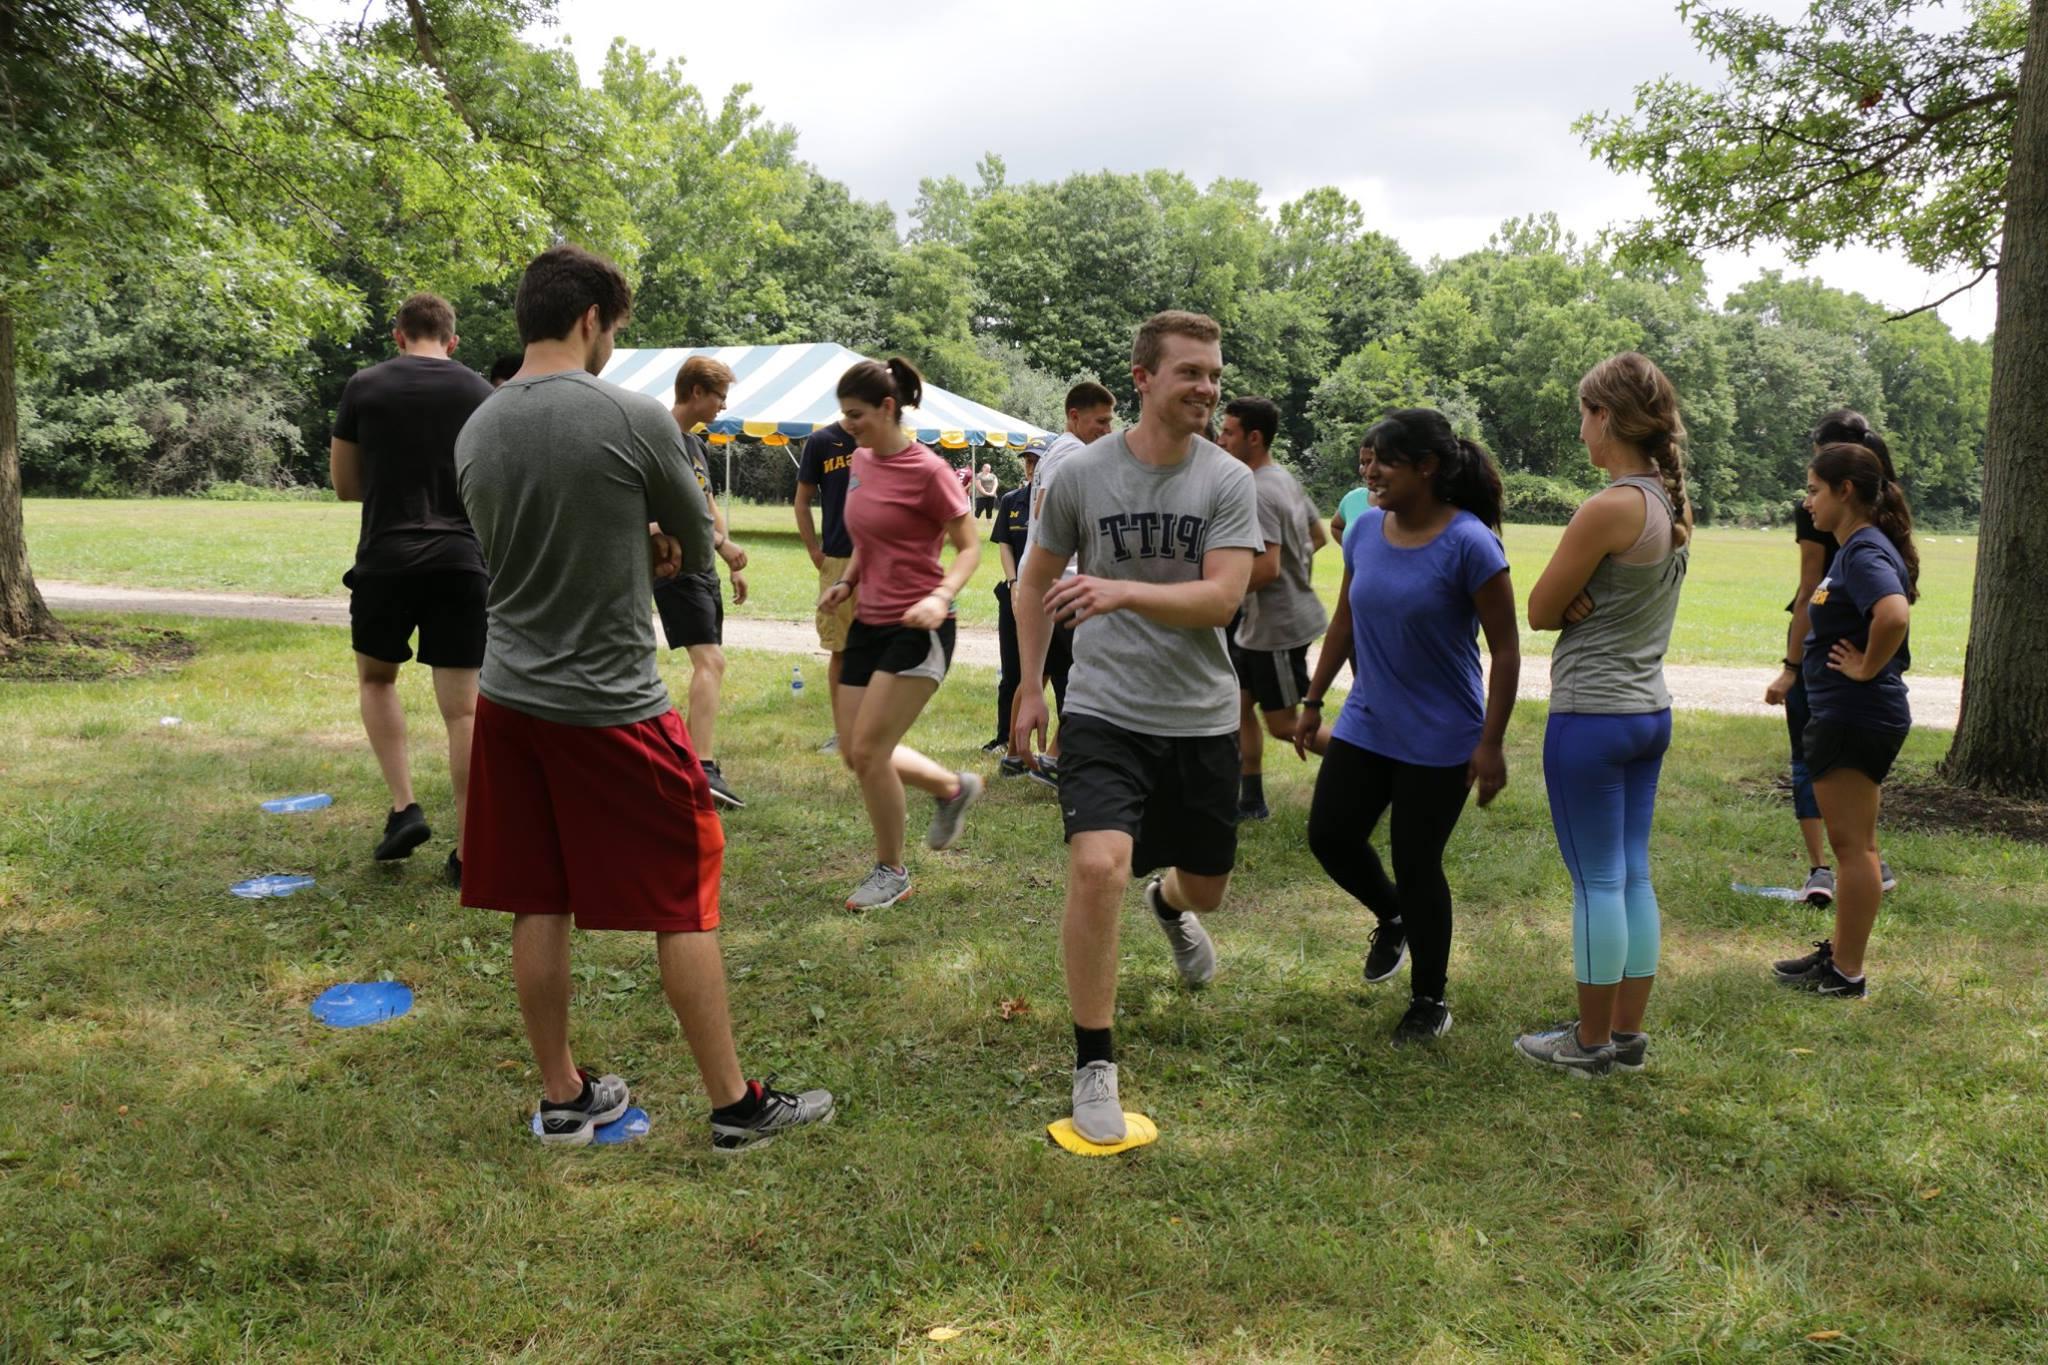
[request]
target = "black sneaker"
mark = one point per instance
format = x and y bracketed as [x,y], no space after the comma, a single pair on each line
[1012,767]
[1000,744]
[722,794]
[779,1112]
[1253,810]
[1631,1051]
[1426,1021]
[404,831]
[1794,969]
[453,870]
[1385,952]
[1045,772]
[1825,980]
[575,1122]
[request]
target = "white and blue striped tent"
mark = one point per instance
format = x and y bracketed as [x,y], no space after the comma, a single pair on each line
[784,393]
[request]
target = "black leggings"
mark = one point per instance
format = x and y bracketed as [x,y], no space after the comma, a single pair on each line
[1353,789]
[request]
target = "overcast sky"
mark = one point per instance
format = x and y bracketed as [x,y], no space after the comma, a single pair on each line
[1440,119]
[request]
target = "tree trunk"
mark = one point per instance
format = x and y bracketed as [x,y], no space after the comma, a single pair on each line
[22,613]
[2001,741]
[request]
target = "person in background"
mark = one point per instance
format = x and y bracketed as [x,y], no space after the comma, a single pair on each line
[503,368]
[417,566]
[986,487]
[1282,615]
[1091,415]
[1854,666]
[822,477]
[692,610]
[1009,535]
[1816,556]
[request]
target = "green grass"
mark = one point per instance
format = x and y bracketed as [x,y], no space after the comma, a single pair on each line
[1733,612]
[190,1168]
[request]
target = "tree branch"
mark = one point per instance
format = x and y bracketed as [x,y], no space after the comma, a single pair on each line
[1962,289]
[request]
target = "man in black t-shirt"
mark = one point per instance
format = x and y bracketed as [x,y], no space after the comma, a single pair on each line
[418,566]
[826,468]
[1012,521]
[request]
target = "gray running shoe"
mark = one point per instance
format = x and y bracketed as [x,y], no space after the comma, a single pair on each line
[1631,1051]
[721,794]
[1887,880]
[574,1124]
[1560,1047]
[1045,772]
[1012,767]
[830,746]
[780,1111]
[1098,1114]
[1820,887]
[1194,952]
[946,820]
[880,889]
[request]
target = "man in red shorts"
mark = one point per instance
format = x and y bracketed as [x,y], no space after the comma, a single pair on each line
[585,797]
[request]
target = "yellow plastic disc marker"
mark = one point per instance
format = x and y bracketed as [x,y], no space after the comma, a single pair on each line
[1138,1131]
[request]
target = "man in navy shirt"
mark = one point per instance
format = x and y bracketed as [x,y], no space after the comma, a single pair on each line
[825,470]
[1008,535]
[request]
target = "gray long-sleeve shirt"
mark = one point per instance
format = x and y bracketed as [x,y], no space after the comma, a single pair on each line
[560,476]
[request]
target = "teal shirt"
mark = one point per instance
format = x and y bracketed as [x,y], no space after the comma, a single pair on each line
[1352,508]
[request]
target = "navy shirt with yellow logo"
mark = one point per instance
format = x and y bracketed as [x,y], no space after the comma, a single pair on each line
[1866,570]
[1013,521]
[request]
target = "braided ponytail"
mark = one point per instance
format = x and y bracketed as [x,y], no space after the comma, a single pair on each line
[1664,453]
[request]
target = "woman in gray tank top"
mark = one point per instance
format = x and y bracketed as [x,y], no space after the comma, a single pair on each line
[1611,589]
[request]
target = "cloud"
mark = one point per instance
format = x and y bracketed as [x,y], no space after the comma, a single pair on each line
[1442,120]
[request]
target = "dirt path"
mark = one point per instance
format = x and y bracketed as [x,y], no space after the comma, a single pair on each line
[1697,687]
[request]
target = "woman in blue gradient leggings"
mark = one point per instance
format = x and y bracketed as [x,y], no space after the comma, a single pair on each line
[1612,588]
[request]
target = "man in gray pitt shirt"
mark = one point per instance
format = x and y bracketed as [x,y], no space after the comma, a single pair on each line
[585,797]
[1165,526]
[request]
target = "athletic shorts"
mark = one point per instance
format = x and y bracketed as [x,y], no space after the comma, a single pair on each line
[1176,796]
[446,608]
[692,610]
[833,625]
[1276,678]
[984,506]
[900,650]
[611,823]
[1830,744]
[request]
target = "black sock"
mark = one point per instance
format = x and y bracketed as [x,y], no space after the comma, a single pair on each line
[1092,1045]
[745,1107]
[1251,789]
[1155,896]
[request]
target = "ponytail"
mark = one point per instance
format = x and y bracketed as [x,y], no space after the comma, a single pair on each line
[1642,409]
[1850,426]
[1857,465]
[1890,514]
[876,383]
[1466,476]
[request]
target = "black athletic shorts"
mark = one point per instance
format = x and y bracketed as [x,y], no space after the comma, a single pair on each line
[1830,744]
[447,609]
[692,610]
[900,650]
[1176,796]
[1276,678]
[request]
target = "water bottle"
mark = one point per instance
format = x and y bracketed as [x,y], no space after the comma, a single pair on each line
[796,682]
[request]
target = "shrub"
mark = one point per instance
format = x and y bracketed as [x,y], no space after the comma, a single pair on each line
[1535,500]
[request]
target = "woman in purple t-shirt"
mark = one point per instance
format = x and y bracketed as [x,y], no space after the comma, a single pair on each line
[1424,573]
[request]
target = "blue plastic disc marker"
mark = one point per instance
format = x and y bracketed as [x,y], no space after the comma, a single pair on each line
[277,884]
[1775,893]
[292,805]
[353,1004]
[630,1126]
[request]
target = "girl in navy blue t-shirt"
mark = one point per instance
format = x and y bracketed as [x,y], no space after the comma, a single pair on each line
[1853,667]
[1424,572]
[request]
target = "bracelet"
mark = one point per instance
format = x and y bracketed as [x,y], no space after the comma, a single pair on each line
[1316,702]
[1792,664]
